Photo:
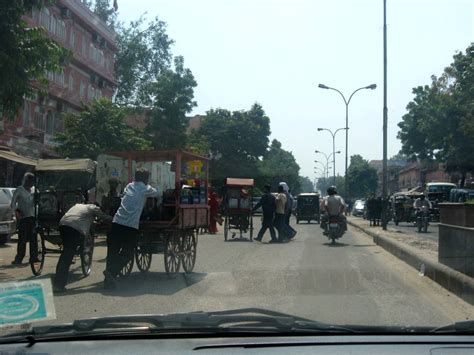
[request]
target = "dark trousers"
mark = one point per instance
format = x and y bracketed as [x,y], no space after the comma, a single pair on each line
[280,226]
[72,241]
[26,234]
[287,218]
[121,242]
[267,223]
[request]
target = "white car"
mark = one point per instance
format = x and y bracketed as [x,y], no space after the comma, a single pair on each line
[7,217]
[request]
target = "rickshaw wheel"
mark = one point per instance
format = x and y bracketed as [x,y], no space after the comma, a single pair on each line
[172,255]
[251,228]
[86,255]
[226,228]
[189,251]
[297,221]
[143,259]
[37,267]
[128,267]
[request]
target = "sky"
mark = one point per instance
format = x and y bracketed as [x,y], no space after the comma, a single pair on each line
[276,52]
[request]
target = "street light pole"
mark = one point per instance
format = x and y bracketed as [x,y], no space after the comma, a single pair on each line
[333,134]
[385,116]
[347,102]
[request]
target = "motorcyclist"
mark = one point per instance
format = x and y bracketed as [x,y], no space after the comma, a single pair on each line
[421,202]
[333,205]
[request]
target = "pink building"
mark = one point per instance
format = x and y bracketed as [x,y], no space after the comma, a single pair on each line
[89,74]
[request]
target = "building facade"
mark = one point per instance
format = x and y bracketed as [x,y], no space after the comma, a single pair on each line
[87,75]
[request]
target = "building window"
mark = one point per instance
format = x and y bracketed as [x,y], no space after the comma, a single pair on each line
[44,19]
[84,45]
[82,90]
[58,122]
[91,92]
[71,82]
[39,119]
[49,123]
[26,114]
[53,24]
[72,38]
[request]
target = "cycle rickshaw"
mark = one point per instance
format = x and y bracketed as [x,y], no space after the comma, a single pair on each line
[60,184]
[238,207]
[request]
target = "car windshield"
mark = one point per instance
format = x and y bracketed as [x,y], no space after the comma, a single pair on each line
[203,155]
[4,198]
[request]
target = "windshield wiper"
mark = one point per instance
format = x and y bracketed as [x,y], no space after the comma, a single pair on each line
[241,320]
[465,327]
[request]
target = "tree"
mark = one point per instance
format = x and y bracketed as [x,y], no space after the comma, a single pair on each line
[236,140]
[172,96]
[306,185]
[279,165]
[439,122]
[143,55]
[100,127]
[26,55]
[105,12]
[324,183]
[362,179]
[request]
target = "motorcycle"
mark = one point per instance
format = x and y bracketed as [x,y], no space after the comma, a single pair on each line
[422,219]
[334,229]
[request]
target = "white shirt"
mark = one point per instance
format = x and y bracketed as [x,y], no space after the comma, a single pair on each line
[420,203]
[23,200]
[333,204]
[81,216]
[133,201]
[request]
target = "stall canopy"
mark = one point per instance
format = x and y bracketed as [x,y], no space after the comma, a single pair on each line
[239,182]
[9,155]
[86,165]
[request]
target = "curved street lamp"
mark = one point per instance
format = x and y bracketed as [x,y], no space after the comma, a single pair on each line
[333,134]
[347,102]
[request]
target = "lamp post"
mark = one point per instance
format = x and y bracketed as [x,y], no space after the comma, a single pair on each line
[333,134]
[326,168]
[347,102]
[385,118]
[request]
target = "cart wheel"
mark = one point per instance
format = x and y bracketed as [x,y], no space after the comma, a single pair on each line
[251,228]
[297,221]
[189,251]
[128,267]
[86,255]
[226,228]
[37,265]
[143,259]
[172,255]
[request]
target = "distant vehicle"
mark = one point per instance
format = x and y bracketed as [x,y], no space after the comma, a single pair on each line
[358,208]
[9,191]
[307,208]
[256,200]
[7,219]
[461,195]
[439,191]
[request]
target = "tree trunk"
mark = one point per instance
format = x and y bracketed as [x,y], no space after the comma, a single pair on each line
[463,179]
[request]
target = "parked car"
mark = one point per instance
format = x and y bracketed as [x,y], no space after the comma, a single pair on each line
[358,208]
[7,219]
[9,191]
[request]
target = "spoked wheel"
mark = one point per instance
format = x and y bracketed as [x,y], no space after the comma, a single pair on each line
[128,267]
[37,265]
[143,259]
[86,255]
[226,228]
[172,255]
[189,251]
[251,228]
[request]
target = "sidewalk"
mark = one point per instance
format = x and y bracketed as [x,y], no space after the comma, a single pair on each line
[421,254]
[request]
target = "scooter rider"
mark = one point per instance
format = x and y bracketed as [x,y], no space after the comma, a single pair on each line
[422,202]
[333,205]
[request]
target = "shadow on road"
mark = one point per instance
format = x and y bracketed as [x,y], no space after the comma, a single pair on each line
[138,284]
[238,239]
[336,245]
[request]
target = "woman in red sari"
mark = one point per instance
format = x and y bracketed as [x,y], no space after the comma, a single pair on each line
[214,211]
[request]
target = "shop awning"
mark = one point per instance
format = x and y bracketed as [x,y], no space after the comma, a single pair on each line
[12,156]
[86,165]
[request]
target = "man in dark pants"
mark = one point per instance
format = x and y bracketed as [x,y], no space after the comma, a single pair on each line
[280,214]
[74,226]
[123,236]
[23,205]
[267,202]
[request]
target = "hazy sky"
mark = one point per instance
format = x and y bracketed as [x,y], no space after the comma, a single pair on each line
[275,52]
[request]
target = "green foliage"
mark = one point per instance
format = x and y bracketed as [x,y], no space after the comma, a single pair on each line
[26,54]
[100,127]
[105,11]
[236,141]
[279,165]
[362,179]
[324,183]
[306,185]
[439,123]
[172,97]
[143,55]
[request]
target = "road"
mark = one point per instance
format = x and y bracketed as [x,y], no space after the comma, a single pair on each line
[353,282]
[410,228]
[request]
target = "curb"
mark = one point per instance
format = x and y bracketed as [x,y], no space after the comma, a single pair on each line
[452,280]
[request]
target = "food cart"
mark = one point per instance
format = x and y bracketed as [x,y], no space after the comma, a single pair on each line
[238,207]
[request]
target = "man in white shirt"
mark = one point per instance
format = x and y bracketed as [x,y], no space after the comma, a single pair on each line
[123,235]
[333,205]
[74,226]
[23,205]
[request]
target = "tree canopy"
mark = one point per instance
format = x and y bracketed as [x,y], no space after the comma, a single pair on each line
[439,123]
[26,55]
[362,179]
[100,127]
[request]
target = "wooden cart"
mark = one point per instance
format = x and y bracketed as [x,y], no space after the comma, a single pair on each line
[238,207]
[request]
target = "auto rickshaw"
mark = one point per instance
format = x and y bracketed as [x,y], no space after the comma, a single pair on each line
[307,208]
[402,207]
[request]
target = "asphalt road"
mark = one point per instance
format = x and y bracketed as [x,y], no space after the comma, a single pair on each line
[354,282]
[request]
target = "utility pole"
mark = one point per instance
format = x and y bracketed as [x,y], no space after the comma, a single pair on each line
[385,117]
